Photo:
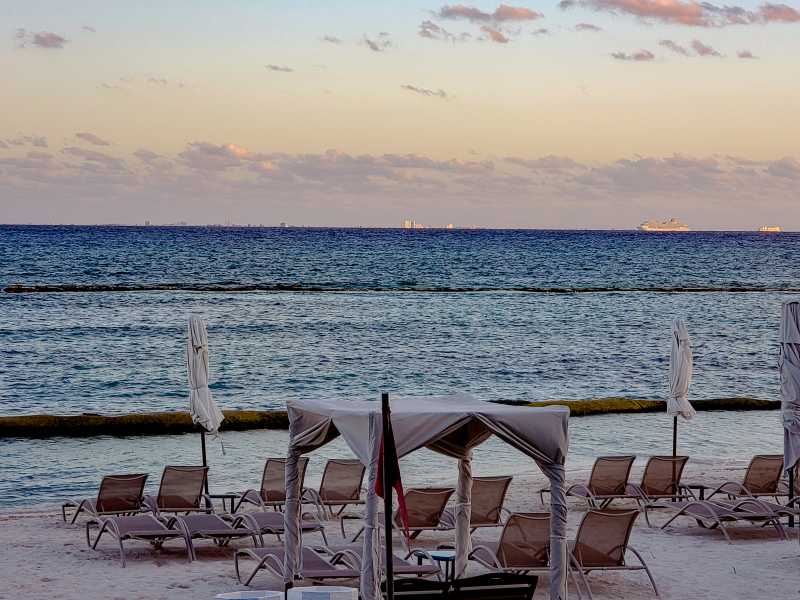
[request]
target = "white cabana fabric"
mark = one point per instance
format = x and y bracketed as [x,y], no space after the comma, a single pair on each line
[789,366]
[201,405]
[451,425]
[680,372]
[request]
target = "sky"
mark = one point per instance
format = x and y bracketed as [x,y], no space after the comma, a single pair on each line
[571,114]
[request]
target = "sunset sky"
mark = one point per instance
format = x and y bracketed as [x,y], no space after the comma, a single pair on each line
[583,113]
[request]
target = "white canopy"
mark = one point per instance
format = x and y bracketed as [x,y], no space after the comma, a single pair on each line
[201,405]
[680,372]
[789,365]
[451,425]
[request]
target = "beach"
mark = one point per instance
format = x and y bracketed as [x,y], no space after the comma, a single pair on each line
[48,559]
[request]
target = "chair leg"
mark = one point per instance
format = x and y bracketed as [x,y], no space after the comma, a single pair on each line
[324,537]
[121,552]
[646,569]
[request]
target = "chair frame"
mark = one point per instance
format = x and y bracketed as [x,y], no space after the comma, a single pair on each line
[735,489]
[89,505]
[155,536]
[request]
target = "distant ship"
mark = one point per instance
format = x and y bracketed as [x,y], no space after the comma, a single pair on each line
[769,229]
[671,225]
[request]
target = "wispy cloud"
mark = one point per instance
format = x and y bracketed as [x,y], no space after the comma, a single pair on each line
[640,56]
[89,29]
[540,31]
[39,141]
[704,50]
[691,12]
[746,54]
[40,39]
[425,91]
[495,35]
[674,47]
[587,27]
[503,13]
[331,39]
[92,138]
[280,68]
[379,43]
[433,31]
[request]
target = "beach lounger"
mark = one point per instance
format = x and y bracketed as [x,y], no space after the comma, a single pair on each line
[712,514]
[488,495]
[140,527]
[118,495]
[272,492]
[425,507]
[212,527]
[180,491]
[762,478]
[403,567]
[661,480]
[607,482]
[315,567]
[523,547]
[494,586]
[602,544]
[340,486]
[271,522]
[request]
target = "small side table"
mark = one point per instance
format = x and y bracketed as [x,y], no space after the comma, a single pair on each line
[446,559]
[701,489]
[231,497]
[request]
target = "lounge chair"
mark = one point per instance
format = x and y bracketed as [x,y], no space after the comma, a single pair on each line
[272,492]
[762,478]
[139,527]
[488,495]
[315,567]
[403,567]
[497,586]
[271,522]
[661,480]
[180,491]
[340,486]
[425,507]
[212,527]
[602,545]
[523,547]
[118,495]
[712,514]
[607,482]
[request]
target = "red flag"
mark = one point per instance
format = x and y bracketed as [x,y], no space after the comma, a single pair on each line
[388,460]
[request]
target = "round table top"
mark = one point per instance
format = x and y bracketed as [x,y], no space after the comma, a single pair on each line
[443,555]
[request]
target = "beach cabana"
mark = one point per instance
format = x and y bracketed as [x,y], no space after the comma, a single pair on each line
[789,366]
[450,425]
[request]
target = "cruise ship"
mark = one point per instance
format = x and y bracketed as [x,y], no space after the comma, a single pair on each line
[672,225]
[769,229]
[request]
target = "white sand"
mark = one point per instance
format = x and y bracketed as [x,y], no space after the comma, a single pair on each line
[42,558]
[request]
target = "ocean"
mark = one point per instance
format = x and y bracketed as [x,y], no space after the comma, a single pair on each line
[348,313]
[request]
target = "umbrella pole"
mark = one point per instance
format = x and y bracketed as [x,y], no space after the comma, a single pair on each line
[205,463]
[674,438]
[387,503]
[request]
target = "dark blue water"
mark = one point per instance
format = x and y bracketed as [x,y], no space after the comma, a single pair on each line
[493,313]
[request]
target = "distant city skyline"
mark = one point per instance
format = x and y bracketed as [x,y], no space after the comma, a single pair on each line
[596,114]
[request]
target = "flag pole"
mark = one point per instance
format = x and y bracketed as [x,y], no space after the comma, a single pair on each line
[387,503]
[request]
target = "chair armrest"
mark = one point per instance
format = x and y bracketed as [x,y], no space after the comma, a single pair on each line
[485,556]
[732,488]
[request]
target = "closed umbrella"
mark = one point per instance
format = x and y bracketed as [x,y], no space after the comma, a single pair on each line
[202,407]
[789,365]
[680,376]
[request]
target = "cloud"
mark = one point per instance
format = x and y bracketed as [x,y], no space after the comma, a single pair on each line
[503,13]
[494,35]
[92,139]
[674,46]
[540,31]
[380,43]
[40,39]
[331,39]
[89,29]
[704,50]
[691,12]
[280,69]
[38,141]
[425,91]
[94,157]
[746,54]
[788,168]
[587,27]
[546,163]
[432,31]
[640,56]
[158,80]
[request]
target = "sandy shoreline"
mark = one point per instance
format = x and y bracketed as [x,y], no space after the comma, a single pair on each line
[48,559]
